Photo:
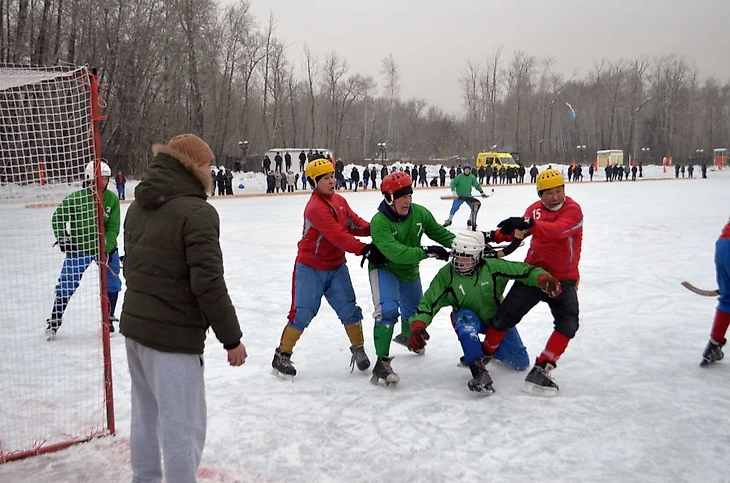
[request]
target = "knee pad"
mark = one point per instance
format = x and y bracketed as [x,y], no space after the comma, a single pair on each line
[465,322]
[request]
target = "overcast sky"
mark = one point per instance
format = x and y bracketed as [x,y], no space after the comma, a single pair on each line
[431,40]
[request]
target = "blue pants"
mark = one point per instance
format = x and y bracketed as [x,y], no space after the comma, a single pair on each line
[73,269]
[474,205]
[722,272]
[511,352]
[120,192]
[310,284]
[393,298]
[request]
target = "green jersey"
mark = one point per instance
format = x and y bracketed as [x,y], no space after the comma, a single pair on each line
[399,238]
[76,217]
[481,292]
[463,183]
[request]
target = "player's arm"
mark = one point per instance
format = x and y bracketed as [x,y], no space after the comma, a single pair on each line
[439,294]
[61,217]
[436,231]
[112,224]
[203,255]
[524,273]
[358,226]
[565,226]
[324,221]
[475,184]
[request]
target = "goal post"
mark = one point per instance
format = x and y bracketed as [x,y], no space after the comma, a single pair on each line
[57,392]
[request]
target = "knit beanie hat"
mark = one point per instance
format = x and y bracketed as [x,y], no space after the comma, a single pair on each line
[193,148]
[193,153]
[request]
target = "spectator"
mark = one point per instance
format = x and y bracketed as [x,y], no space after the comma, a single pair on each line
[175,292]
[120,180]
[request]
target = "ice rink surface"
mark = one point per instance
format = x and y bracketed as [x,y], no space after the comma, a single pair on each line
[633,406]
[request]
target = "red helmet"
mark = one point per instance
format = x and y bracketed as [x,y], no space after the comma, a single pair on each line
[394,182]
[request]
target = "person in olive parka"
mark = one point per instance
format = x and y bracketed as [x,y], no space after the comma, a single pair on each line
[175,291]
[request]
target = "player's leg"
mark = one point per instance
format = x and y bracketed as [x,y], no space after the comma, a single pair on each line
[113,285]
[454,208]
[341,297]
[307,289]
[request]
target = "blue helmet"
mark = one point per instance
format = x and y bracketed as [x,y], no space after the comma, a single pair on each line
[466,166]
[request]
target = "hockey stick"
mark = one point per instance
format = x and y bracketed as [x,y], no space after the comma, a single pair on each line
[699,291]
[465,198]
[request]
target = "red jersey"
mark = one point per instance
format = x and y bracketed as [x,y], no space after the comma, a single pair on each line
[725,231]
[557,237]
[330,227]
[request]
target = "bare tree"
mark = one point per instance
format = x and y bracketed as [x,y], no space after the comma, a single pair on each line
[311,71]
[391,76]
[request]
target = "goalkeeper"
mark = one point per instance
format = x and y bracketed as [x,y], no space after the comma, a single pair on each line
[74,225]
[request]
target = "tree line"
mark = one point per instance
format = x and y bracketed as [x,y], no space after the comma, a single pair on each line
[173,66]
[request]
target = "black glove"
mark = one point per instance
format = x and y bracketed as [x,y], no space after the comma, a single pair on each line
[508,226]
[435,251]
[484,195]
[64,243]
[373,254]
[488,236]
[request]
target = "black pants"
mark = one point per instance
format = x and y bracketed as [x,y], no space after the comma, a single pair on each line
[522,298]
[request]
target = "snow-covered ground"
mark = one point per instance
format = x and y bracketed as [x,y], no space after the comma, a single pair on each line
[634,406]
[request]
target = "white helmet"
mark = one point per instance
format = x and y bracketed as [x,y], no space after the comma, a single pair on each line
[106,171]
[467,250]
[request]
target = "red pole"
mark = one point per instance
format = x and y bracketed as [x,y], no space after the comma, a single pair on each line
[103,262]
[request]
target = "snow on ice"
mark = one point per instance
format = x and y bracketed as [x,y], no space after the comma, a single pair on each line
[633,405]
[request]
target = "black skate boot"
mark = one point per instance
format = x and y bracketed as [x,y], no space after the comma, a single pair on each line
[712,353]
[481,381]
[359,358]
[383,373]
[282,365]
[538,380]
[447,223]
[52,326]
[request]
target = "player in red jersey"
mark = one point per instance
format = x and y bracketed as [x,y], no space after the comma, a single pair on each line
[555,224]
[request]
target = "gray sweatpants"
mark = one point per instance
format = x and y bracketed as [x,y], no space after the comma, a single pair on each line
[168,406]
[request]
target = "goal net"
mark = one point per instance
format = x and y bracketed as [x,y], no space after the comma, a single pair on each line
[55,392]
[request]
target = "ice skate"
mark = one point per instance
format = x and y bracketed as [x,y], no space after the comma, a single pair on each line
[447,223]
[539,382]
[52,326]
[383,373]
[282,365]
[359,358]
[403,340]
[481,381]
[712,353]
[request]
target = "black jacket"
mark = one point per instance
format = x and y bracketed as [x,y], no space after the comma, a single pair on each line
[173,264]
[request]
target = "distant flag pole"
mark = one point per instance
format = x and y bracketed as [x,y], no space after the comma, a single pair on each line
[573,114]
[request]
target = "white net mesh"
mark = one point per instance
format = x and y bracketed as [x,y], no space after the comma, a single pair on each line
[53,392]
